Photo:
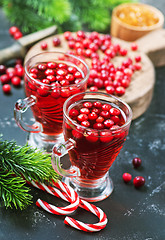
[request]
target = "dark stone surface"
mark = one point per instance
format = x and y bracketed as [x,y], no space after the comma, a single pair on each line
[133,214]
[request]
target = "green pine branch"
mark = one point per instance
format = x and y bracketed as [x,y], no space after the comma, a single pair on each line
[13,191]
[18,164]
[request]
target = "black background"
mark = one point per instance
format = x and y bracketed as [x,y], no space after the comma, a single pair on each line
[133,214]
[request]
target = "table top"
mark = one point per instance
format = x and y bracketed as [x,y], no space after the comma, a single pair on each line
[132,214]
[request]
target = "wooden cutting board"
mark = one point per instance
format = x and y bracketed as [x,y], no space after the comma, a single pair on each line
[139,94]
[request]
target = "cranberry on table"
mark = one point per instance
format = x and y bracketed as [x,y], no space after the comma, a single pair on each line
[139,181]
[2,69]
[6,88]
[44,46]
[17,35]
[134,46]
[136,162]
[127,177]
[4,79]
[56,41]
[16,81]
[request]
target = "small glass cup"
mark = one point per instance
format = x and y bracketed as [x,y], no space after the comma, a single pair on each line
[91,151]
[46,99]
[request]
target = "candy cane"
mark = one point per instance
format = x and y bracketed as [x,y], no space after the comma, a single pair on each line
[85,226]
[68,195]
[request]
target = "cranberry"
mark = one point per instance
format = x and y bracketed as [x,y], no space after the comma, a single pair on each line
[110,89]
[106,107]
[85,123]
[17,35]
[138,58]
[120,90]
[51,78]
[43,91]
[44,45]
[6,88]
[77,134]
[65,92]
[64,82]
[115,119]
[56,41]
[138,66]
[77,74]
[136,162]
[74,90]
[127,177]
[97,104]
[108,123]
[2,69]
[105,114]
[80,34]
[106,136]
[46,81]
[98,126]
[49,72]
[100,119]
[134,46]
[62,65]
[67,35]
[61,72]
[92,136]
[114,111]
[13,30]
[34,70]
[123,51]
[73,113]
[82,117]
[84,111]
[55,93]
[69,77]
[71,69]
[16,81]
[87,104]
[93,89]
[92,116]
[19,71]
[42,66]
[139,181]
[4,79]
[98,82]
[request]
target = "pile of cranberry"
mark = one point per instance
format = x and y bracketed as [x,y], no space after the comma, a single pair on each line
[57,75]
[11,75]
[103,73]
[97,116]
[138,181]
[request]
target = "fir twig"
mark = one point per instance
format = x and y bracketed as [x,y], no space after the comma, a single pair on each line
[18,164]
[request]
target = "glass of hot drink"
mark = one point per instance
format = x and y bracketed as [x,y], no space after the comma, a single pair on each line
[50,78]
[95,126]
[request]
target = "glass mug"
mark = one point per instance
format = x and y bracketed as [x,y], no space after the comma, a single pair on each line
[50,78]
[92,147]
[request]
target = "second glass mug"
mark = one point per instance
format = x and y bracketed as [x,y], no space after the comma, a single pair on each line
[91,151]
[46,97]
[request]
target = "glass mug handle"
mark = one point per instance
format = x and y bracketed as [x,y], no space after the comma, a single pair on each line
[59,151]
[21,106]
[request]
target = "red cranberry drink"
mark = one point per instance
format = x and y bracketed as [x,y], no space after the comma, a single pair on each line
[95,128]
[50,78]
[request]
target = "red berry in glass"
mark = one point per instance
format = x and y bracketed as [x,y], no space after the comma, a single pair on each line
[52,83]
[96,145]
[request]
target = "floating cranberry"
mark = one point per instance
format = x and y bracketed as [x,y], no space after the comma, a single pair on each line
[77,74]
[100,119]
[42,66]
[105,114]
[92,136]
[55,93]
[127,177]
[65,92]
[92,116]
[61,72]
[16,81]
[106,107]
[85,123]
[49,72]
[98,126]
[69,77]
[87,104]
[97,104]
[136,162]
[77,134]
[71,69]
[51,78]
[82,117]
[139,181]
[106,136]
[73,113]
[114,111]
[108,123]
[6,88]
[43,91]
[84,111]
